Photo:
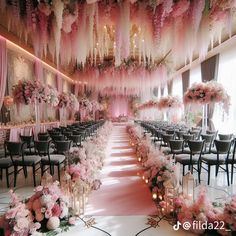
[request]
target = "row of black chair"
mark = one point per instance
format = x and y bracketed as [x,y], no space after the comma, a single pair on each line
[45,153]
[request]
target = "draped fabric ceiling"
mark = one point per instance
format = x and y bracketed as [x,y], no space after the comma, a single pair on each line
[120,47]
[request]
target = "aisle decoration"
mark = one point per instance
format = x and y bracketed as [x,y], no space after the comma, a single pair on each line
[148,105]
[163,178]
[206,93]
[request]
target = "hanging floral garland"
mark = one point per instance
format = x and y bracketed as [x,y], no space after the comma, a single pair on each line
[206,93]
[169,102]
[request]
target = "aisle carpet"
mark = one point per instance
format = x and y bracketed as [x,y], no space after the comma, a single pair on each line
[123,192]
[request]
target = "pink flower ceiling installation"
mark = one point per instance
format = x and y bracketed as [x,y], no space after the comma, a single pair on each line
[163,103]
[73,31]
[206,93]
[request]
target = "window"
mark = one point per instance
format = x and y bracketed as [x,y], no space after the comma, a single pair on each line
[223,122]
[195,75]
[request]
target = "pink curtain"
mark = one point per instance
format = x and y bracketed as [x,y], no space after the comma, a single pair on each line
[3,68]
[119,107]
[38,69]
[59,83]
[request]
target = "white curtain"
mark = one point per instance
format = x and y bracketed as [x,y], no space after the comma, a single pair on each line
[225,123]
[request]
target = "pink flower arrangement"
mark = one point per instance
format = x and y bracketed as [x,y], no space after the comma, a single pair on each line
[148,105]
[64,100]
[48,206]
[205,93]
[86,104]
[52,96]
[27,92]
[229,214]
[73,102]
[18,220]
[169,102]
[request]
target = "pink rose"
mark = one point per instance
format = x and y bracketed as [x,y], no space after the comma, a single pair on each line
[56,210]
[53,223]
[72,221]
[36,205]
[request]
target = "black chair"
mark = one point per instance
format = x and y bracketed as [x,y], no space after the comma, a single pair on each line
[165,140]
[225,136]
[176,147]
[59,137]
[16,152]
[76,140]
[43,137]
[192,159]
[208,142]
[29,140]
[231,160]
[42,148]
[218,158]
[6,164]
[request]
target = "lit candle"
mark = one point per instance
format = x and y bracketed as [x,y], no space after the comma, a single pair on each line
[154,196]
[146,181]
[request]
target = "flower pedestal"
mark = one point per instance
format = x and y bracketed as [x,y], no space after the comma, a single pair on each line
[37,117]
[62,114]
[204,118]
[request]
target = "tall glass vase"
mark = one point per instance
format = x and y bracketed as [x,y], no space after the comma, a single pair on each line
[37,117]
[204,118]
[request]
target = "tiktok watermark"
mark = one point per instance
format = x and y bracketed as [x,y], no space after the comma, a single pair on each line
[199,225]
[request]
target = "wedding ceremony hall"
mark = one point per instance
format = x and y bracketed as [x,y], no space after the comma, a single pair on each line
[118,117]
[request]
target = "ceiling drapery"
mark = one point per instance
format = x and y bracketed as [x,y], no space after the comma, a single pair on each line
[132,36]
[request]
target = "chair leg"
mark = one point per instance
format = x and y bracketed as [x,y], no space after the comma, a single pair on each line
[25,171]
[34,175]
[42,170]
[227,172]
[58,172]
[183,170]
[209,174]
[15,174]
[199,172]
[1,174]
[232,172]
[7,177]
[217,169]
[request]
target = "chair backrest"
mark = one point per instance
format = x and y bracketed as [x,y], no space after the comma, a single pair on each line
[208,138]
[167,137]
[170,131]
[41,147]
[225,136]
[58,137]
[43,137]
[187,137]
[223,146]
[75,138]
[27,139]
[14,148]
[180,134]
[62,146]
[196,146]
[176,145]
